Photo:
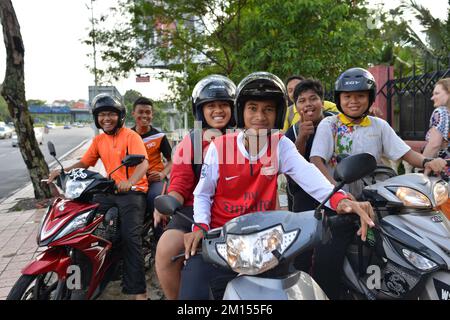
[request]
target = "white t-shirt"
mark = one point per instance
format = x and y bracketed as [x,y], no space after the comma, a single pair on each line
[290,162]
[378,139]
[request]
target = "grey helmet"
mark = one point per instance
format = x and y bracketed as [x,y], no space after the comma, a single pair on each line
[261,86]
[214,87]
[355,79]
[105,102]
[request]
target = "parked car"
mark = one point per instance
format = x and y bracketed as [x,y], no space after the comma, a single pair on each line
[5,132]
[38,133]
[50,125]
[67,126]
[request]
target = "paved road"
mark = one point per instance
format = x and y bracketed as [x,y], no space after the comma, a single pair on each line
[13,172]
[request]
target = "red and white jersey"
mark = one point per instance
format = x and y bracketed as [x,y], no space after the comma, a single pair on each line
[233,183]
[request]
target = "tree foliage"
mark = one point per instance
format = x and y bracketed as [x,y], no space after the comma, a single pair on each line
[4,113]
[235,37]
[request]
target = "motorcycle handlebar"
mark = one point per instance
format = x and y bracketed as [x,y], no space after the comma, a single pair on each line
[133,188]
[182,254]
[340,220]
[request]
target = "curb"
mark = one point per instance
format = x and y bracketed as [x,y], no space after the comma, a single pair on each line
[50,165]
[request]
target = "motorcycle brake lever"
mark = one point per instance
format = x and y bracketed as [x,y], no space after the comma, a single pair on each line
[181,255]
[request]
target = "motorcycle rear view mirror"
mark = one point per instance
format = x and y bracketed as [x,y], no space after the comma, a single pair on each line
[133,160]
[166,204]
[52,151]
[51,148]
[354,167]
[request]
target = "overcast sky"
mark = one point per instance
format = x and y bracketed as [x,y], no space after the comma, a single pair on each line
[56,59]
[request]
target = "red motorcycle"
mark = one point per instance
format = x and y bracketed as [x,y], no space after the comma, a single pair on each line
[83,243]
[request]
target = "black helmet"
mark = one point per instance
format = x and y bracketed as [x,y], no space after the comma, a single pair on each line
[355,79]
[214,87]
[104,102]
[261,86]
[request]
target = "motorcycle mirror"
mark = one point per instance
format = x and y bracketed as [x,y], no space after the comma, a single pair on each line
[51,148]
[166,204]
[133,160]
[355,167]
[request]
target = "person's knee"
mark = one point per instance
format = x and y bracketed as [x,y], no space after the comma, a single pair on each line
[170,244]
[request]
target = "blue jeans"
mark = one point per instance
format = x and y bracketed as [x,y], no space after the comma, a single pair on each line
[203,281]
[154,189]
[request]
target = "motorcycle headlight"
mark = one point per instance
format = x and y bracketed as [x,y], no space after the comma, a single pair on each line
[41,223]
[78,222]
[440,193]
[418,261]
[74,188]
[258,252]
[412,198]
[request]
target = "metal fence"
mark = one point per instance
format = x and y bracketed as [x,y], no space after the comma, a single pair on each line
[410,99]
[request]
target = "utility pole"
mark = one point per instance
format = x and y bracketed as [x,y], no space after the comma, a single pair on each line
[94,55]
[94,43]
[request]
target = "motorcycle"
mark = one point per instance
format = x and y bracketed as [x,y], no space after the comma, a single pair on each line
[407,254]
[445,207]
[83,250]
[261,247]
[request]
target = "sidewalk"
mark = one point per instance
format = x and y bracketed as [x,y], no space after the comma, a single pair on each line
[18,230]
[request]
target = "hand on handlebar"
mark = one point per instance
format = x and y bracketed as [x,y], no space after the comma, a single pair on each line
[363,209]
[436,165]
[53,175]
[191,241]
[158,217]
[124,186]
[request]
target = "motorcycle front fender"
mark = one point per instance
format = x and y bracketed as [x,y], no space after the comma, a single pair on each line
[51,260]
[298,286]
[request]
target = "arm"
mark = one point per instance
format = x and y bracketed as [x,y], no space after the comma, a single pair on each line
[182,176]
[157,216]
[305,174]
[414,158]
[166,150]
[135,145]
[319,163]
[434,143]
[417,160]
[139,172]
[309,178]
[301,145]
[206,187]
[167,169]
[203,194]
[323,147]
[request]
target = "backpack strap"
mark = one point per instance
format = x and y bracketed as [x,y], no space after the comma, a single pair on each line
[197,147]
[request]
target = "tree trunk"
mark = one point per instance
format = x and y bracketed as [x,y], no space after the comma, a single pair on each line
[14,93]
